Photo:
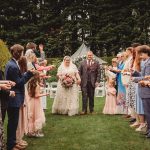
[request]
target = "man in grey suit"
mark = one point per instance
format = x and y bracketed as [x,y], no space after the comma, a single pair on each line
[144,91]
[89,71]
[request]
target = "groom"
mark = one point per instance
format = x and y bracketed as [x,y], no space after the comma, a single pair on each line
[89,71]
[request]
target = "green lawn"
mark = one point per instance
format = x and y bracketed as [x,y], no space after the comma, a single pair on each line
[90,132]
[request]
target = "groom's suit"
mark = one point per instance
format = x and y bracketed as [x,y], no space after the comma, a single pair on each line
[90,74]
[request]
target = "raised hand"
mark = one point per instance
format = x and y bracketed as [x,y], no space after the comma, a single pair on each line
[41,47]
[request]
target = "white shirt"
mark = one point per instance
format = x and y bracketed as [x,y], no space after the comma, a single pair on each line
[16,63]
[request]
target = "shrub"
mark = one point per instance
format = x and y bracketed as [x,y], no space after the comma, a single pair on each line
[56,62]
[4,55]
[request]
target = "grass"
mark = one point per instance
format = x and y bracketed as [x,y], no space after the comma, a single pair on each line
[90,132]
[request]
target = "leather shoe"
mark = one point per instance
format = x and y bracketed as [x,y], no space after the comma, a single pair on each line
[83,113]
[148,135]
[93,113]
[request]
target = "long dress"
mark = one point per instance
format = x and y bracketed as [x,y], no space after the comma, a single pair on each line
[139,103]
[67,99]
[110,102]
[36,113]
[121,96]
[23,122]
[24,113]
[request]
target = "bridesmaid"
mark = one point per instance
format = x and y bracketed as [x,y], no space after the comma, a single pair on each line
[110,103]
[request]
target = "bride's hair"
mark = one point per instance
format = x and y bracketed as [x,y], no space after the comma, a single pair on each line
[67,58]
[32,84]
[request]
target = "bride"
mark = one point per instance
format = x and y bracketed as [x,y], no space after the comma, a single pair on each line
[67,97]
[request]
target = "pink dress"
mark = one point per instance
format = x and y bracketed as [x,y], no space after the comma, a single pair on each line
[110,102]
[23,120]
[36,114]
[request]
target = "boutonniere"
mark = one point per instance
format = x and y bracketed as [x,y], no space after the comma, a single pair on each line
[93,62]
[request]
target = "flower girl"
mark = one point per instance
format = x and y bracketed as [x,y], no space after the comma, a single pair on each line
[110,102]
[36,113]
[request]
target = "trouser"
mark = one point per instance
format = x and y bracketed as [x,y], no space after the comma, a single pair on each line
[13,117]
[146,105]
[88,94]
[3,111]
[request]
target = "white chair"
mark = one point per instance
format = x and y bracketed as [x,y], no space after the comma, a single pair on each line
[47,89]
[53,89]
[100,91]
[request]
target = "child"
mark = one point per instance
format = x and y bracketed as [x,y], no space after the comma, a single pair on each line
[110,103]
[36,113]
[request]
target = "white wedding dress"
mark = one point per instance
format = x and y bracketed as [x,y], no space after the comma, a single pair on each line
[67,99]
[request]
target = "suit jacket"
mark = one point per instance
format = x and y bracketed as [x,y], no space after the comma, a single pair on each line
[144,92]
[94,73]
[12,72]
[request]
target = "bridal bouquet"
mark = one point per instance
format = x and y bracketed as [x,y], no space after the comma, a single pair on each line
[67,81]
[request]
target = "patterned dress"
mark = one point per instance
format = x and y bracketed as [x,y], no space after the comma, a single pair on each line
[2,143]
[131,95]
[121,96]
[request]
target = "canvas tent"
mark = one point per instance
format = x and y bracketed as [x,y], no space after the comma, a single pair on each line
[82,51]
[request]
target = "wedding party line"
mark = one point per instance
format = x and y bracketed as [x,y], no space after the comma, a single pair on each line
[23,91]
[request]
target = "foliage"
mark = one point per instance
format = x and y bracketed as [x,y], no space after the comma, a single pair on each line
[4,55]
[107,26]
[56,62]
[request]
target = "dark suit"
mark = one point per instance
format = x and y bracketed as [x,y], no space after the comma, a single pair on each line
[12,72]
[4,94]
[90,74]
[3,99]
[144,92]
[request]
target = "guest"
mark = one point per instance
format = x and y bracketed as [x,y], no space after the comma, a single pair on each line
[4,95]
[36,116]
[3,87]
[39,54]
[139,105]
[131,91]
[13,73]
[110,102]
[144,92]
[121,96]
[23,113]
[33,46]
[126,75]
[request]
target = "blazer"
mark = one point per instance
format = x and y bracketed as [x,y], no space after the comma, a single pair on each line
[12,72]
[94,73]
[144,92]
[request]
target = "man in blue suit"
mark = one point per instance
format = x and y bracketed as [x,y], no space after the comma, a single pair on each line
[12,72]
[144,91]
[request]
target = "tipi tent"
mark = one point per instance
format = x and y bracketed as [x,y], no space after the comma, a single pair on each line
[82,51]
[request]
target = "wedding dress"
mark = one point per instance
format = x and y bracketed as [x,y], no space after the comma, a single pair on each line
[67,99]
